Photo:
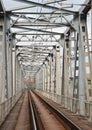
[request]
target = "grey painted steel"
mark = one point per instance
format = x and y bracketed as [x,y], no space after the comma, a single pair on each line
[43,62]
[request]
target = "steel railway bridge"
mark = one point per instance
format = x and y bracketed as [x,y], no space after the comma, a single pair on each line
[45,47]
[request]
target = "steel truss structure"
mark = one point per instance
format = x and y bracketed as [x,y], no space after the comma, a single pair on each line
[48,41]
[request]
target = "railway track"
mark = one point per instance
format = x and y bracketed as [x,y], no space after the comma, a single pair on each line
[21,117]
[48,117]
[35,112]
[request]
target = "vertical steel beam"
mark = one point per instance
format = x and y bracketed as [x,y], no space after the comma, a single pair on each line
[54,68]
[46,83]
[85,81]
[1,55]
[76,66]
[43,77]
[14,69]
[62,69]
[9,65]
[4,69]
[50,64]
[66,66]
[82,82]
[58,71]
[51,74]
[17,76]
[91,22]
[48,67]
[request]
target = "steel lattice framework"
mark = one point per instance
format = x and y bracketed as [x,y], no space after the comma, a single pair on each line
[37,28]
[49,40]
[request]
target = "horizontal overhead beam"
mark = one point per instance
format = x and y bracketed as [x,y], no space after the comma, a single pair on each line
[35,34]
[29,46]
[37,30]
[31,23]
[45,22]
[43,52]
[42,25]
[36,41]
[35,13]
[46,6]
[30,6]
[30,18]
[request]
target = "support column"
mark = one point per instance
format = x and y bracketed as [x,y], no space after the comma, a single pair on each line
[22,80]
[58,71]
[9,65]
[43,77]
[14,69]
[48,69]
[54,68]
[66,66]
[18,87]
[46,81]
[1,56]
[52,74]
[85,80]
[4,68]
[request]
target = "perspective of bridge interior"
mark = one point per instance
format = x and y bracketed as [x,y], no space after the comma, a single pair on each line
[45,64]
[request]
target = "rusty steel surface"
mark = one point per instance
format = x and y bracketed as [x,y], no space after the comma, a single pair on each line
[23,122]
[11,119]
[48,120]
[78,120]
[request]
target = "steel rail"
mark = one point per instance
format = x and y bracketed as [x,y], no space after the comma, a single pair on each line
[33,116]
[71,124]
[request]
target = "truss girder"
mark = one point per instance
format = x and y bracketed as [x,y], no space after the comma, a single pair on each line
[42,22]
[46,6]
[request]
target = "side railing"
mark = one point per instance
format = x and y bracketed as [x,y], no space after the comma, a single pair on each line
[77,106]
[6,106]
